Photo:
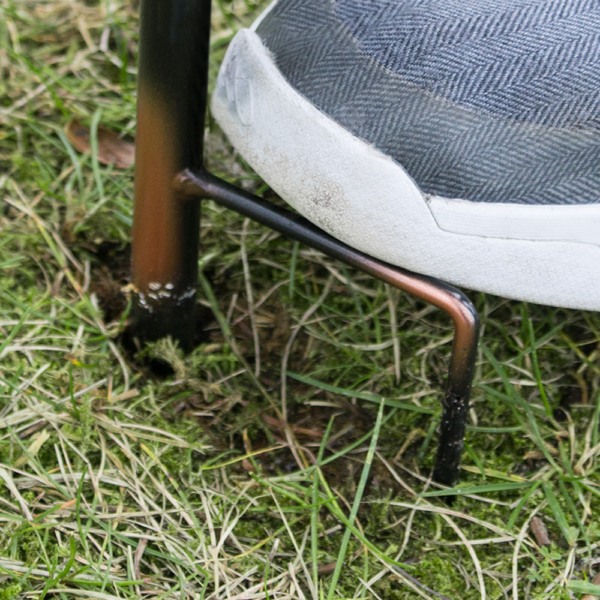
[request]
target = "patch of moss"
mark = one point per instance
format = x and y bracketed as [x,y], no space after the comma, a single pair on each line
[10,591]
[441,574]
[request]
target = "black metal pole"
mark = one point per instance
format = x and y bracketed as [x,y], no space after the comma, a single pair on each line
[466,320]
[172,91]
[172,95]
[456,406]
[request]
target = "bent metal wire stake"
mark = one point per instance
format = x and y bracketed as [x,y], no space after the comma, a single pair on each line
[170,181]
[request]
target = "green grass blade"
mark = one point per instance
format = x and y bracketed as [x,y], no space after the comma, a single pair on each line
[359,395]
[584,587]
[559,515]
[477,489]
[357,500]
[534,360]
[517,511]
[314,515]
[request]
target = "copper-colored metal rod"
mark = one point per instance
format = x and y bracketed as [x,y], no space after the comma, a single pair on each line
[466,321]
[172,84]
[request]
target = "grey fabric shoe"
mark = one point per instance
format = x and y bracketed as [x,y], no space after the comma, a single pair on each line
[456,138]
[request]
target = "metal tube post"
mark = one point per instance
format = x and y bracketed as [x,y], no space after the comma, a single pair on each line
[173,73]
[172,90]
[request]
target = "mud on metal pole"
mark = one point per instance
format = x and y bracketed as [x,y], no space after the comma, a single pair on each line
[172,89]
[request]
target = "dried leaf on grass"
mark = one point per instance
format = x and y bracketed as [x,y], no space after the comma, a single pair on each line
[111,148]
[538,528]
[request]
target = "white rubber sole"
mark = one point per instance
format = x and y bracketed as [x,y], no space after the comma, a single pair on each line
[544,254]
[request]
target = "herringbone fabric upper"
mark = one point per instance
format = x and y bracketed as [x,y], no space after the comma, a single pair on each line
[486,100]
[531,61]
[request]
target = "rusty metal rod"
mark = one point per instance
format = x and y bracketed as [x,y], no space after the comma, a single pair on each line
[204,185]
[172,91]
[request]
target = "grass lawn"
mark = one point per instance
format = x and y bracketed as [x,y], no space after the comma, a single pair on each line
[150,474]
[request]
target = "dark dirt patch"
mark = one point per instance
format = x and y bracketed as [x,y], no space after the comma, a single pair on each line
[110,274]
